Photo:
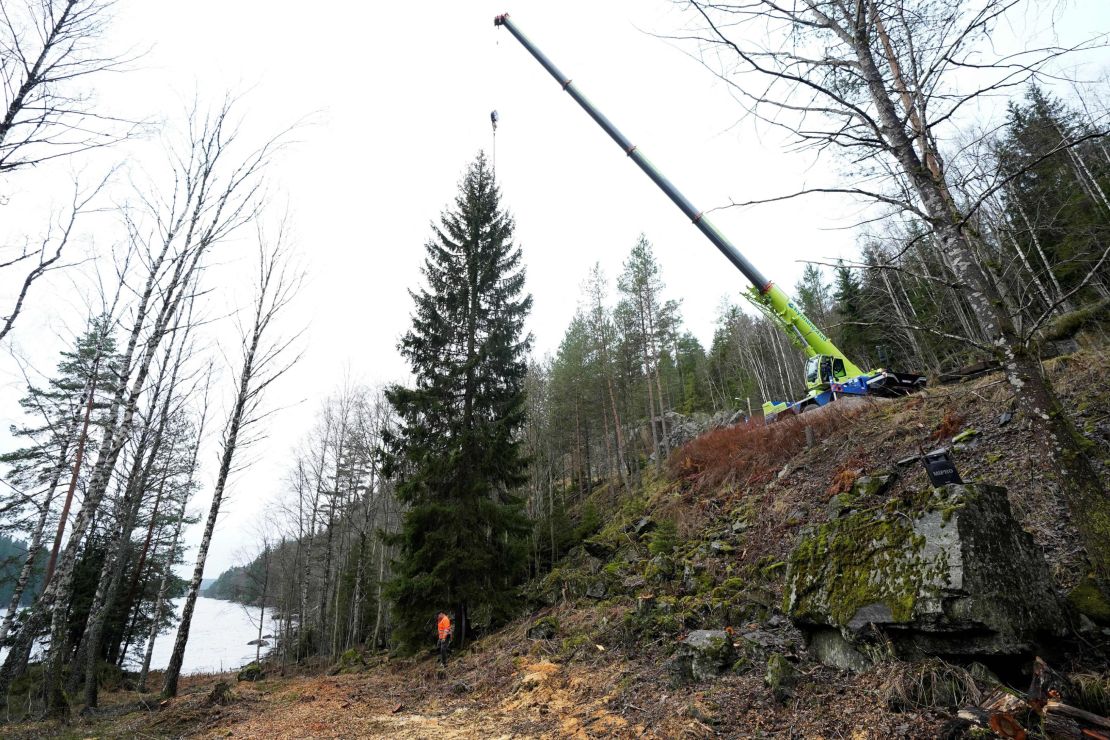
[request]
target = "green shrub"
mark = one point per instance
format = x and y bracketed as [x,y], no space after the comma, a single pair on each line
[589,523]
[664,538]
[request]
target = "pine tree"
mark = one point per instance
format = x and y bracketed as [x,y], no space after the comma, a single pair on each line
[458,451]
[645,317]
[1055,200]
[63,418]
[56,411]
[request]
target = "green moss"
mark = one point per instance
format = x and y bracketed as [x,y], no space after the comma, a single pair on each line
[1069,324]
[781,675]
[703,582]
[868,486]
[771,570]
[571,644]
[1089,600]
[567,580]
[733,585]
[717,650]
[965,435]
[250,672]
[350,662]
[865,558]
[659,569]
[642,628]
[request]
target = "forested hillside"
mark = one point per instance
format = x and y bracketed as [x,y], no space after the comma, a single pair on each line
[627,357]
[877,508]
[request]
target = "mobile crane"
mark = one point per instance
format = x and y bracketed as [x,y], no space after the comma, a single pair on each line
[829,373]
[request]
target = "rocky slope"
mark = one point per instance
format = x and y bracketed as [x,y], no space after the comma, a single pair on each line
[758,585]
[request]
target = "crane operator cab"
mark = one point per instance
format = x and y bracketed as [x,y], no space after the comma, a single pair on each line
[824,370]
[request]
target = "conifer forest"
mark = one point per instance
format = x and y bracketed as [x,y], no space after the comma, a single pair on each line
[292,367]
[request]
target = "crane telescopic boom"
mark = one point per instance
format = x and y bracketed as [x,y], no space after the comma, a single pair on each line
[828,365]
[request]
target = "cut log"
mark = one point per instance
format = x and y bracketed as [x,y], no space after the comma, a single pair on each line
[976,716]
[967,372]
[1065,722]
[1006,725]
[1003,701]
[1005,713]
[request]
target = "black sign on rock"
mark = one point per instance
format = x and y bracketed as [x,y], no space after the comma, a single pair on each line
[941,469]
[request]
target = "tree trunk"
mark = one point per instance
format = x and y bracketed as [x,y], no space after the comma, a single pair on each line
[173,671]
[1052,427]
[35,543]
[81,440]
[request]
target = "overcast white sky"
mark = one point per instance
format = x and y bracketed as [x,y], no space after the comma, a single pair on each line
[399,97]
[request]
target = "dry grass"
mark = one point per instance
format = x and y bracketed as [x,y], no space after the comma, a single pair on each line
[950,423]
[750,454]
[1092,692]
[929,684]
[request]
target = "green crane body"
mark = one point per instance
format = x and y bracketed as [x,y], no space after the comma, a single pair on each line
[829,372]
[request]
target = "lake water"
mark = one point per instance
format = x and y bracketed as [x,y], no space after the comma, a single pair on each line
[218,638]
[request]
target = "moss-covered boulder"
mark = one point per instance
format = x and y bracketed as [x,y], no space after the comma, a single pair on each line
[701,656]
[250,672]
[544,628]
[876,484]
[351,661]
[949,573]
[1089,601]
[781,676]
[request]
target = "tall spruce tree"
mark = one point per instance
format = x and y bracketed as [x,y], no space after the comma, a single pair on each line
[458,452]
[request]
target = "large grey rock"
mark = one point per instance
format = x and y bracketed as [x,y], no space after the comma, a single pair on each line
[681,429]
[544,628]
[701,656]
[830,647]
[781,676]
[598,590]
[951,573]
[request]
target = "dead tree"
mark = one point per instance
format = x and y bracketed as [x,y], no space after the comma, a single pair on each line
[265,359]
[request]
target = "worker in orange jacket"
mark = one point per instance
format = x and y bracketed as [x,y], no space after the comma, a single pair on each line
[444,628]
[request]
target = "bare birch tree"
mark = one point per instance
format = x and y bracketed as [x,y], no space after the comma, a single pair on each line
[47,50]
[213,193]
[267,354]
[50,47]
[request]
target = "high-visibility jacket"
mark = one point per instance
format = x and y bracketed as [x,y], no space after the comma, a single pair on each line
[444,627]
